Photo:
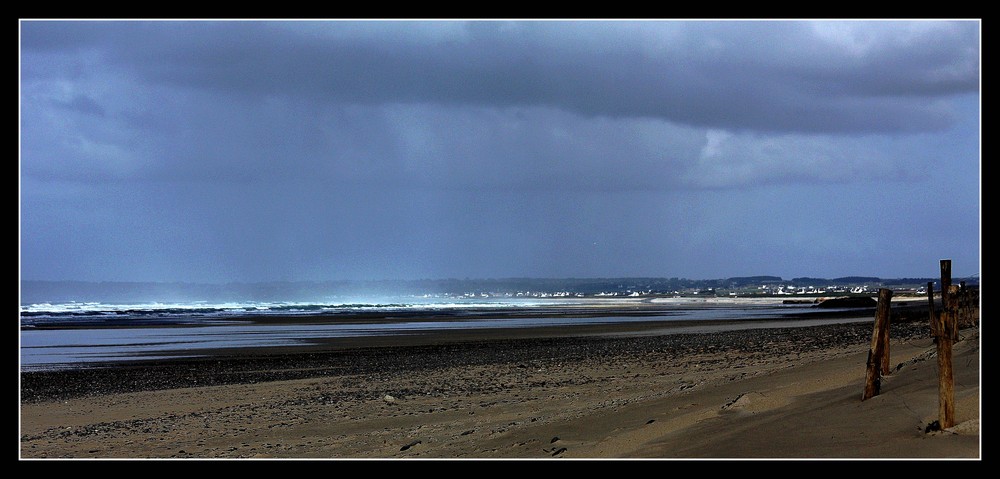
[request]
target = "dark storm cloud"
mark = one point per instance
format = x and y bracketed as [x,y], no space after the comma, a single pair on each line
[760,76]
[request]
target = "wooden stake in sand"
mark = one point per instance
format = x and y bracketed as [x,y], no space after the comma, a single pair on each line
[954,296]
[878,353]
[882,314]
[946,294]
[963,309]
[944,328]
[962,305]
[930,304]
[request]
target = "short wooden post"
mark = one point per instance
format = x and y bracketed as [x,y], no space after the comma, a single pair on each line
[882,314]
[946,382]
[878,352]
[953,299]
[964,315]
[930,304]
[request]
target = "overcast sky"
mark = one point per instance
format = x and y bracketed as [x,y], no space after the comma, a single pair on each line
[298,150]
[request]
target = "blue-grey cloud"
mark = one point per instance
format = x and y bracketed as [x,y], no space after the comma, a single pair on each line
[315,150]
[762,76]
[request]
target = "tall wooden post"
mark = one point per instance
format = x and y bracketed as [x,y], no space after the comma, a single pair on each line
[878,352]
[946,382]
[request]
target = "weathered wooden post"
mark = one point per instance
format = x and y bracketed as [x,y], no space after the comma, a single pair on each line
[946,382]
[930,304]
[883,313]
[946,295]
[878,353]
[964,313]
[945,279]
[954,296]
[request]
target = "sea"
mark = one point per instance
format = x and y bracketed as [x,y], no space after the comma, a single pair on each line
[74,324]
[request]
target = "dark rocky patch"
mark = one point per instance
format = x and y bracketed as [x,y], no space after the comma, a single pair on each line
[414,443]
[849,302]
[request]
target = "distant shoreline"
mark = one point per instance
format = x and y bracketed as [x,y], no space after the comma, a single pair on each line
[588,308]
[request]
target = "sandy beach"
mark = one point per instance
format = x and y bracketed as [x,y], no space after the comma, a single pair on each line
[590,393]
